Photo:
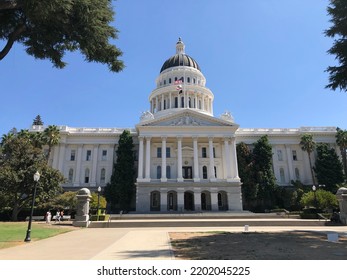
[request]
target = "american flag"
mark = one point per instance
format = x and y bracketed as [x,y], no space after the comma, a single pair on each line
[178,83]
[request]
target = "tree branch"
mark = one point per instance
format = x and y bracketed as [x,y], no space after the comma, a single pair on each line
[10,5]
[11,39]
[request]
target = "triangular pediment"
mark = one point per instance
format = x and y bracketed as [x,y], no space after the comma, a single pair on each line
[186,118]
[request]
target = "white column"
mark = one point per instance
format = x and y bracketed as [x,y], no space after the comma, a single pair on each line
[148,158]
[235,171]
[61,157]
[156,104]
[197,200]
[203,102]
[180,200]
[210,146]
[214,201]
[227,157]
[54,157]
[179,160]
[290,164]
[94,165]
[78,165]
[163,200]
[162,101]
[140,162]
[196,160]
[170,100]
[163,159]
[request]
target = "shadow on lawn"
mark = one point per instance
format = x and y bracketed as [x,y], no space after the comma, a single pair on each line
[294,245]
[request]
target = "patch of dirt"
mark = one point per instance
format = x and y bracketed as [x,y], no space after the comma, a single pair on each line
[288,245]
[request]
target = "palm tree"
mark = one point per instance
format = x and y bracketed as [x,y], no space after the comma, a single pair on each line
[308,145]
[341,141]
[51,136]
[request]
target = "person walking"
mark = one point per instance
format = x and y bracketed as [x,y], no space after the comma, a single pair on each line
[57,217]
[48,217]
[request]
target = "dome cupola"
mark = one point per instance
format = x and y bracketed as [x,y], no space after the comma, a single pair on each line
[180,58]
[180,85]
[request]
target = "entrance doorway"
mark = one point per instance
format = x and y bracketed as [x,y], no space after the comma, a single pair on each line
[188,201]
[187,172]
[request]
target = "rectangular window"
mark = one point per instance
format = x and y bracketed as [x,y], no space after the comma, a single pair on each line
[159,152]
[168,152]
[204,152]
[104,155]
[295,157]
[214,152]
[89,155]
[73,155]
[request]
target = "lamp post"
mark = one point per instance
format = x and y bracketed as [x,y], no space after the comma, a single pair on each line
[314,188]
[36,179]
[97,211]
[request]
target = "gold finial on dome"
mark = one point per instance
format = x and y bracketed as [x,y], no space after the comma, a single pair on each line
[180,46]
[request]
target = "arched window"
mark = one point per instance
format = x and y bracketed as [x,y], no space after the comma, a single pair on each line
[282,177]
[182,102]
[188,80]
[176,102]
[215,172]
[86,176]
[70,177]
[169,80]
[158,172]
[168,172]
[103,176]
[297,174]
[204,172]
[200,104]
[220,201]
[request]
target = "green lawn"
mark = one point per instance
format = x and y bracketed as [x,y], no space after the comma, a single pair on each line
[13,233]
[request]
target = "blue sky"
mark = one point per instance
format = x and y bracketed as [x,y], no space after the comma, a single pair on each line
[264,60]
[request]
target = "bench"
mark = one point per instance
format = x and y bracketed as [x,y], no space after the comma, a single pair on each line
[65,218]
[35,218]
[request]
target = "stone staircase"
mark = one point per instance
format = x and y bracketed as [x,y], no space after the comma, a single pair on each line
[216,219]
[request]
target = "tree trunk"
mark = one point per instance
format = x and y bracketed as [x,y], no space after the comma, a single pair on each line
[312,174]
[11,39]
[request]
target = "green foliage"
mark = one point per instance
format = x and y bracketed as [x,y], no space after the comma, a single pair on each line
[48,29]
[308,145]
[19,161]
[120,191]
[338,74]
[255,171]
[66,200]
[246,173]
[322,200]
[37,120]
[328,168]
[265,178]
[341,141]
[94,201]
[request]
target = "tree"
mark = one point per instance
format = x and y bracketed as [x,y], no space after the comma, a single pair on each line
[246,173]
[119,192]
[19,160]
[322,199]
[264,176]
[341,141]
[328,168]
[48,29]
[37,120]
[51,137]
[308,145]
[338,74]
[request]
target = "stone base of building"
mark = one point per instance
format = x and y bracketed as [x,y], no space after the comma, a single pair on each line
[191,196]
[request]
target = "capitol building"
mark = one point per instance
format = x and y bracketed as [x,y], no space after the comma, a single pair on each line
[185,156]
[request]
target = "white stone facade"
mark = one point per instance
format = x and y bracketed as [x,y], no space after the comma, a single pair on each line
[186,158]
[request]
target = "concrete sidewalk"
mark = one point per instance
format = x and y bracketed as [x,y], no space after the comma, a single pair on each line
[121,243]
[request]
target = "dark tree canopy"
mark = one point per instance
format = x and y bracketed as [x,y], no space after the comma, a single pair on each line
[328,167]
[338,74]
[37,120]
[119,192]
[19,160]
[48,29]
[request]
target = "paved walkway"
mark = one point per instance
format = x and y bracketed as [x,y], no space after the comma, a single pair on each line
[120,243]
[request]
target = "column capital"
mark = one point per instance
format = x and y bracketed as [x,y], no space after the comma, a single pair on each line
[179,138]
[163,138]
[148,138]
[141,137]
